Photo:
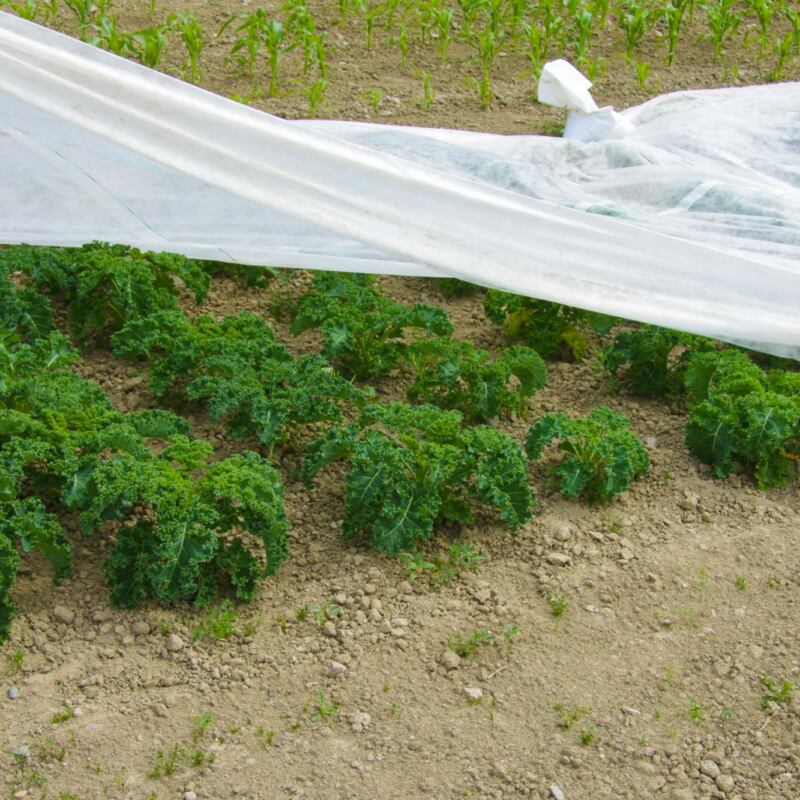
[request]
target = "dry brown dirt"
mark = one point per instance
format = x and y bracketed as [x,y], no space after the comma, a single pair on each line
[682,597]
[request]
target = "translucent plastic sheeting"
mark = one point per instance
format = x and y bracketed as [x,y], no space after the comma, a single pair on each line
[692,221]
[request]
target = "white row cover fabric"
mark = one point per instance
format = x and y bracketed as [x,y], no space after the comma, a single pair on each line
[691,221]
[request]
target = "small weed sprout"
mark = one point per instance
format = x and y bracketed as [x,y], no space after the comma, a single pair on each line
[165,763]
[741,583]
[587,735]
[66,714]
[569,718]
[265,737]
[777,694]
[696,712]
[16,659]
[324,710]
[464,646]
[510,633]
[200,725]
[219,623]
[558,604]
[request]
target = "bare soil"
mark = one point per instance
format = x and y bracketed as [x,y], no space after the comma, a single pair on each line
[682,597]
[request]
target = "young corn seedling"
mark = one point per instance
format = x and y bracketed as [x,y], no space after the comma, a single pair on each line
[320,54]
[428,96]
[374,97]
[107,35]
[673,16]
[642,73]
[150,44]
[275,42]
[371,15]
[251,37]
[444,22]
[764,12]
[635,20]
[584,19]
[84,10]
[723,22]
[402,43]
[600,12]
[29,10]
[316,95]
[191,33]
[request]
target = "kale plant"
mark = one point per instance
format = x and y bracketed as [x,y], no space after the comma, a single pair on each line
[413,467]
[650,361]
[458,375]
[364,331]
[551,329]
[185,536]
[187,526]
[239,371]
[740,413]
[602,455]
[108,285]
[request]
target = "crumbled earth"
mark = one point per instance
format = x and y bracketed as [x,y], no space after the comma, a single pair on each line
[679,600]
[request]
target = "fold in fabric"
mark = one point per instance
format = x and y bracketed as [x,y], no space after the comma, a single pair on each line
[692,221]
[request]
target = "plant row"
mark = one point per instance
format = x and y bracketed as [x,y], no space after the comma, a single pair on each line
[188,525]
[484,29]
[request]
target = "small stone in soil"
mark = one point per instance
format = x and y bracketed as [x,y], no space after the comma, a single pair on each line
[13,693]
[174,643]
[473,694]
[190,796]
[450,660]
[709,768]
[64,614]
[556,793]
[329,629]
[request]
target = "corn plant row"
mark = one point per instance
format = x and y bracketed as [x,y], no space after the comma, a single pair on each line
[475,32]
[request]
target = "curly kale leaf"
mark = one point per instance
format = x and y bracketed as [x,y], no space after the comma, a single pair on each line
[364,331]
[553,330]
[651,361]
[412,467]
[22,308]
[246,493]
[602,455]
[181,531]
[239,372]
[9,563]
[457,375]
[740,413]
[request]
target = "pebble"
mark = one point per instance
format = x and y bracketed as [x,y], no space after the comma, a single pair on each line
[13,693]
[190,796]
[64,614]
[450,660]
[709,768]
[559,559]
[174,643]
[359,721]
[556,793]
[336,668]
[473,694]
[329,629]
[140,628]
[725,783]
